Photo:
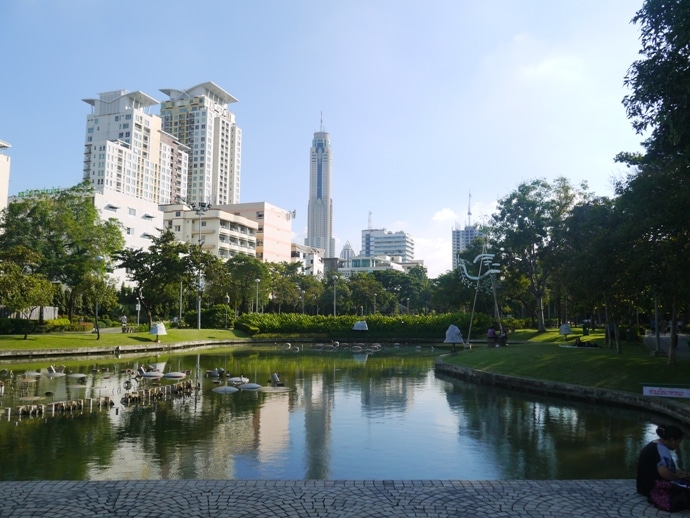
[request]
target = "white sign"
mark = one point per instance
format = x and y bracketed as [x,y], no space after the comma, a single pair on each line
[666,392]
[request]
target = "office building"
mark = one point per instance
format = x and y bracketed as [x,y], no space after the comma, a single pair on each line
[4,174]
[320,211]
[369,264]
[381,242]
[200,119]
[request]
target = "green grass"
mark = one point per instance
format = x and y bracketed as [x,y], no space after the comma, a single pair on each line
[602,368]
[110,339]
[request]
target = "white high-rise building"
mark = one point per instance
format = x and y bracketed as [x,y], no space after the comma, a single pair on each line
[199,118]
[320,211]
[381,242]
[4,175]
[462,239]
[126,152]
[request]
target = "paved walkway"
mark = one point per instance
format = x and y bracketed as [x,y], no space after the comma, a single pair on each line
[323,498]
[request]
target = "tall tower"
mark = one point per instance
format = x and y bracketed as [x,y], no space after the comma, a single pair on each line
[320,212]
[4,174]
[200,119]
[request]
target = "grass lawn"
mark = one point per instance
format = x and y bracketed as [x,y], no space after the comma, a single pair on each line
[111,339]
[539,356]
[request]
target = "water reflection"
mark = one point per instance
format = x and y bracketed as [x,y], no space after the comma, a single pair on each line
[388,418]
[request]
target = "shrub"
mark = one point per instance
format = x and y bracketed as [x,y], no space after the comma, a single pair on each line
[57,324]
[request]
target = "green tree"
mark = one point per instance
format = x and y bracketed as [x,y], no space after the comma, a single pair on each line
[526,232]
[244,272]
[157,271]
[285,284]
[363,287]
[65,230]
[22,291]
[654,196]
[659,102]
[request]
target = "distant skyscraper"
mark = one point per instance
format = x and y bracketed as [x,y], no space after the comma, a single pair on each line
[462,238]
[4,174]
[200,119]
[320,212]
[346,254]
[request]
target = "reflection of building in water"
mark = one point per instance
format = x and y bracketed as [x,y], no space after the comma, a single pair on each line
[384,395]
[319,396]
[273,426]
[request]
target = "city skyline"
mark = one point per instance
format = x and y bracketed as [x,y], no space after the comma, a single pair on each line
[424,103]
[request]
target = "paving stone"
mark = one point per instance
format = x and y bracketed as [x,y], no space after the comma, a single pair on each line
[328,498]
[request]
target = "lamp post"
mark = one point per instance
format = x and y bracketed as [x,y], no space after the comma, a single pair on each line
[408,305]
[257,281]
[200,207]
[99,261]
[138,306]
[303,302]
[374,303]
[227,301]
[335,284]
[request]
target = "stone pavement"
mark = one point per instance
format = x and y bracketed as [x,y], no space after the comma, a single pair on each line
[324,498]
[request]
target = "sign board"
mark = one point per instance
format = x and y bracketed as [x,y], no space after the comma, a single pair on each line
[666,392]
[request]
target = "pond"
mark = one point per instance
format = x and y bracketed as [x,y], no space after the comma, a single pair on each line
[336,417]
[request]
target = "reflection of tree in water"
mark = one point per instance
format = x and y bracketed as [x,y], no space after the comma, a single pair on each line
[534,437]
[63,440]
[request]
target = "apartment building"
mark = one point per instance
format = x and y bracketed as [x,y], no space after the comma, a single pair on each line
[274,232]
[218,231]
[199,118]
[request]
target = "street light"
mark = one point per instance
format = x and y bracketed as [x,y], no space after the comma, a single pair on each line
[303,302]
[200,207]
[227,301]
[335,284]
[408,305]
[374,302]
[138,306]
[99,261]
[257,281]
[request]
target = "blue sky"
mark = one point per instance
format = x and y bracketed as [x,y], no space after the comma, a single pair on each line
[425,102]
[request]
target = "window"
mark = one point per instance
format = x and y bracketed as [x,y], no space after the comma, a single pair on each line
[132,212]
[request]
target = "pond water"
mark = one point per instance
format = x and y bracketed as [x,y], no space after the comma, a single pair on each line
[336,418]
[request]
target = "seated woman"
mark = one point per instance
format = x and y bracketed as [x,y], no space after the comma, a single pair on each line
[658,478]
[583,343]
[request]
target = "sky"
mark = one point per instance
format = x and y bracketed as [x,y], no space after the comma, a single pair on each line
[435,109]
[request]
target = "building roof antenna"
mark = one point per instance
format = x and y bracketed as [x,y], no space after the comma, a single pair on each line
[469,211]
[370,213]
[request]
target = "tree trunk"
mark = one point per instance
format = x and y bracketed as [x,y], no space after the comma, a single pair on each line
[674,334]
[540,314]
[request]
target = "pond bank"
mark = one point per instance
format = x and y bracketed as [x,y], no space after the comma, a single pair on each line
[663,406]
